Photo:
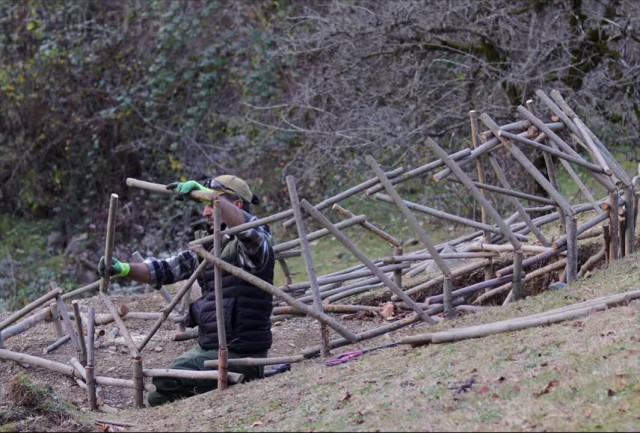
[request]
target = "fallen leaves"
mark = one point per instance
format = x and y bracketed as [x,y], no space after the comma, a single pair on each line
[388,311]
[547,388]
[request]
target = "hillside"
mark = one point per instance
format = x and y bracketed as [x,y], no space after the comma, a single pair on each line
[576,375]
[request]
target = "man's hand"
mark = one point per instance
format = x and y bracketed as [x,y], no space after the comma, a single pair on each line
[184,188]
[117,268]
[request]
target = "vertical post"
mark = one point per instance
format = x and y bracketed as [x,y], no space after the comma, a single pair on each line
[516,285]
[57,320]
[606,236]
[622,231]
[67,321]
[397,274]
[138,383]
[78,320]
[223,358]
[91,382]
[572,250]
[613,225]
[629,199]
[108,247]
[325,346]
[486,235]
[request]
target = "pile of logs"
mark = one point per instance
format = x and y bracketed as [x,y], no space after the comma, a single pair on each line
[518,241]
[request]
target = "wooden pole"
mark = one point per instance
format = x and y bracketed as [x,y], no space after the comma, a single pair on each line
[108,248]
[257,361]
[486,235]
[78,320]
[613,225]
[191,374]
[363,258]
[138,381]
[444,215]
[55,292]
[261,284]
[516,284]
[397,275]
[370,227]
[572,250]
[348,193]
[359,219]
[630,218]
[135,354]
[89,287]
[91,383]
[422,235]
[220,313]
[67,322]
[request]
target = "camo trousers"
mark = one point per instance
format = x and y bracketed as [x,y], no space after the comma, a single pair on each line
[170,388]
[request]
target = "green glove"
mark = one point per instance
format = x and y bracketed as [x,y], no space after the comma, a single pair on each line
[184,188]
[117,268]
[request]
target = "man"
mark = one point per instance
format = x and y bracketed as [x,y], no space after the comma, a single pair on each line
[247,309]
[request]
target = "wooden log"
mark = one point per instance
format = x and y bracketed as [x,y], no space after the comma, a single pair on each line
[508,193]
[59,342]
[520,125]
[444,215]
[62,308]
[318,234]
[495,328]
[614,226]
[376,332]
[191,374]
[470,289]
[507,270]
[529,167]
[445,256]
[176,299]
[516,283]
[135,354]
[108,248]
[602,179]
[504,248]
[220,316]
[83,346]
[308,259]
[90,374]
[256,361]
[457,171]
[363,258]
[463,270]
[329,308]
[56,319]
[528,277]
[370,227]
[561,242]
[397,275]
[418,171]
[591,262]
[554,152]
[58,367]
[487,147]
[30,307]
[27,323]
[486,235]
[138,384]
[125,314]
[82,290]
[606,236]
[252,279]
[515,203]
[348,193]
[630,234]
[352,291]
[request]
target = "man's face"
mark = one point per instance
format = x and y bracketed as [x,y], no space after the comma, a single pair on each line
[208,209]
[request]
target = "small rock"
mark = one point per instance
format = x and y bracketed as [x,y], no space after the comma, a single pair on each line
[158,348]
[557,286]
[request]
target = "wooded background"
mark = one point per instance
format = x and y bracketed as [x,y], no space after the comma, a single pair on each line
[93,92]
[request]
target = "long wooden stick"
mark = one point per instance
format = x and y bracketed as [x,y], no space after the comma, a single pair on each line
[220,313]
[29,308]
[90,378]
[358,219]
[354,250]
[78,320]
[348,193]
[367,225]
[261,284]
[135,354]
[191,374]
[108,248]
[256,361]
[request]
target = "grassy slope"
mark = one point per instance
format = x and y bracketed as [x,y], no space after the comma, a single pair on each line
[594,360]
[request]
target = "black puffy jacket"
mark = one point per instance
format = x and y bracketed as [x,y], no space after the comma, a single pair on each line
[247,309]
